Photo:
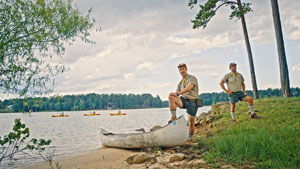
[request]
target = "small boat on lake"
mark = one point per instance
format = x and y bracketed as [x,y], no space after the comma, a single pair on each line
[170,135]
[60,115]
[88,114]
[117,114]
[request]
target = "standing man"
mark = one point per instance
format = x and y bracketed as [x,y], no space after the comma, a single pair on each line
[185,97]
[235,84]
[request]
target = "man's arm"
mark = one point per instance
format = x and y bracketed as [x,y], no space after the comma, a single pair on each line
[244,88]
[223,87]
[185,90]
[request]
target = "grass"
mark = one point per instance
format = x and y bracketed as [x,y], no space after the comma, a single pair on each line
[273,141]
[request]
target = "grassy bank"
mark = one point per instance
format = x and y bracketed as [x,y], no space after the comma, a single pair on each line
[273,141]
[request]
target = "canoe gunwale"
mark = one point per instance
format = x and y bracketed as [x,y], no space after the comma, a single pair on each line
[108,133]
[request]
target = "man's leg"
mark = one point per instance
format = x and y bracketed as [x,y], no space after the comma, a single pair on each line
[191,126]
[251,106]
[232,112]
[174,101]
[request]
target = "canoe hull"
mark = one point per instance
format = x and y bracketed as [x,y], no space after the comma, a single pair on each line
[91,114]
[60,115]
[116,114]
[171,135]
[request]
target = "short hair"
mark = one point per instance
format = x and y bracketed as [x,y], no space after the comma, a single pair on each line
[182,65]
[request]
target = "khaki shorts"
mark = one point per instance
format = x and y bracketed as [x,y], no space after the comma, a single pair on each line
[190,106]
[236,96]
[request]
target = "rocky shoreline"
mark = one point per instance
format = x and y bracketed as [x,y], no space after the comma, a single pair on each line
[189,155]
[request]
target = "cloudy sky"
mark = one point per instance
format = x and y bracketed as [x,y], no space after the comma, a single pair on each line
[143,41]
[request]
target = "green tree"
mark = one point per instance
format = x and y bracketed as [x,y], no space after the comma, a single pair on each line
[284,71]
[209,9]
[32,32]
[15,142]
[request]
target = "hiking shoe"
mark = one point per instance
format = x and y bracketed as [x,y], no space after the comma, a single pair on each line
[172,119]
[234,122]
[254,116]
[190,142]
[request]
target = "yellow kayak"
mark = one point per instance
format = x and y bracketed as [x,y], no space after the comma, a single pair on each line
[91,114]
[117,114]
[60,115]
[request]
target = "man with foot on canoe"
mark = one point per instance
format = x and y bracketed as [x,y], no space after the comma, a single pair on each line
[235,84]
[185,97]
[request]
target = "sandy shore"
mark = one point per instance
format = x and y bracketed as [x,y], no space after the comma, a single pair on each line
[104,158]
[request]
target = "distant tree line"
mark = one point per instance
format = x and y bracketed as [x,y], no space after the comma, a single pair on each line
[82,102]
[113,101]
[211,98]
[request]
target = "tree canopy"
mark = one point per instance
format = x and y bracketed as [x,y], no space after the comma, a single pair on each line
[209,9]
[32,33]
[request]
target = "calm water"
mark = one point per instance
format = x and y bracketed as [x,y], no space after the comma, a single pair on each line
[78,134]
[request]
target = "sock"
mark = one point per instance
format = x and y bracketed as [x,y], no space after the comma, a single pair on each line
[251,109]
[190,137]
[233,115]
[173,112]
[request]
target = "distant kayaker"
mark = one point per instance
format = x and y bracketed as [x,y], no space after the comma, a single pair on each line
[62,113]
[236,90]
[185,97]
[94,112]
[119,112]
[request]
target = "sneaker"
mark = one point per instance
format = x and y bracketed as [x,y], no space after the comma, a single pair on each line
[234,122]
[254,116]
[190,142]
[172,119]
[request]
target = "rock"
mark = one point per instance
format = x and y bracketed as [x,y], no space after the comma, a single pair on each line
[171,151]
[138,158]
[148,150]
[202,116]
[176,157]
[197,162]
[155,128]
[209,112]
[157,166]
[228,167]
[247,167]
[209,119]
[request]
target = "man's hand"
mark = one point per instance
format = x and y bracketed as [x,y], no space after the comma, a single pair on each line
[245,93]
[174,94]
[228,92]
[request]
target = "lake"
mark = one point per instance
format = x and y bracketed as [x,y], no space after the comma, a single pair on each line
[79,134]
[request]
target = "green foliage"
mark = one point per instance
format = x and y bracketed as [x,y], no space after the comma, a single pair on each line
[211,98]
[209,9]
[270,142]
[115,101]
[85,102]
[14,142]
[32,32]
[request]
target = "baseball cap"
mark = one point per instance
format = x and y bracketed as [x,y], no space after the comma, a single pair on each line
[232,64]
[182,65]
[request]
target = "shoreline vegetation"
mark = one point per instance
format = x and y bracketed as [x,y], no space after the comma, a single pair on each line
[269,142]
[112,101]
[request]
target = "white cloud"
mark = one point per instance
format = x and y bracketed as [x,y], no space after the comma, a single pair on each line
[140,42]
[296,67]
[145,66]
[130,76]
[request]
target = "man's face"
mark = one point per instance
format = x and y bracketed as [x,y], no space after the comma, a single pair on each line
[233,68]
[183,71]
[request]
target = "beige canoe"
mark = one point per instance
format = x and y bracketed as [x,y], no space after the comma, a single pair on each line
[171,135]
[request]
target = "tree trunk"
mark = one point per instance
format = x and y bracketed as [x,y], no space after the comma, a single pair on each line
[284,72]
[250,58]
